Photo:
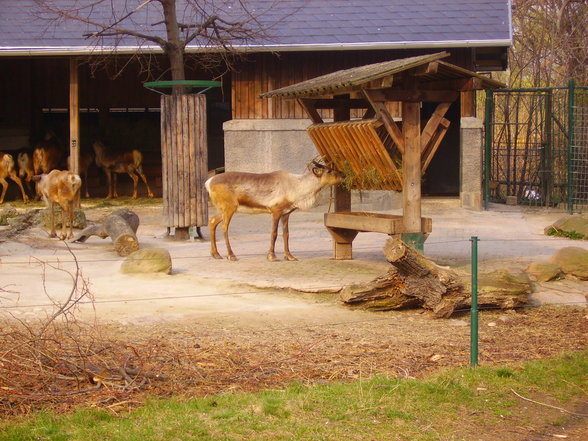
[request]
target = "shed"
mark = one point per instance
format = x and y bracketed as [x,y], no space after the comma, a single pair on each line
[376,150]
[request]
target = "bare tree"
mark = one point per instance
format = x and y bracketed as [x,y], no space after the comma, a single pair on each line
[211,27]
[550,45]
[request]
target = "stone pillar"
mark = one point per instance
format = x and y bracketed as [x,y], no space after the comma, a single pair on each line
[471,151]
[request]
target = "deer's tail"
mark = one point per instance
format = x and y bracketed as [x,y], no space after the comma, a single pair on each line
[138,160]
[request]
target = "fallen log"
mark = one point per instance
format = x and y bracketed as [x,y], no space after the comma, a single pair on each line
[121,226]
[415,281]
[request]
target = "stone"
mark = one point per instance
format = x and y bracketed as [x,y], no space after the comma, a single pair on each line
[8,212]
[575,223]
[147,261]
[79,218]
[543,271]
[572,260]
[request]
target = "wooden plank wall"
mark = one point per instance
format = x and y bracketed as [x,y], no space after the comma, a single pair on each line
[184,155]
[263,72]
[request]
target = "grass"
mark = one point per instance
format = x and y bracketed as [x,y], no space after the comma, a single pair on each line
[442,407]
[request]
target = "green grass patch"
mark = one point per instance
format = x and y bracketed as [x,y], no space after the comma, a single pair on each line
[376,409]
[567,234]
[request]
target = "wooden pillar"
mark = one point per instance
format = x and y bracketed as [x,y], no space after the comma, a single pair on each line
[342,195]
[74,117]
[411,167]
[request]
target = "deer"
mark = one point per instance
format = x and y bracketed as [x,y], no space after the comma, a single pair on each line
[47,154]
[278,193]
[7,170]
[25,168]
[60,187]
[113,162]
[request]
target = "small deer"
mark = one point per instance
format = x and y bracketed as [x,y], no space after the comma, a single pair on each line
[113,162]
[25,168]
[60,187]
[7,170]
[278,193]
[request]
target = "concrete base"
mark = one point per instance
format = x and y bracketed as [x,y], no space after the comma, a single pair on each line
[263,145]
[471,164]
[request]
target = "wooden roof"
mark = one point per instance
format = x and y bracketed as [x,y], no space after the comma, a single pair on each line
[430,70]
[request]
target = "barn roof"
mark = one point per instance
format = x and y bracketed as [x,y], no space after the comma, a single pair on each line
[347,80]
[300,25]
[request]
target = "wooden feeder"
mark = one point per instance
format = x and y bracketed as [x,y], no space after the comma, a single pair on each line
[377,151]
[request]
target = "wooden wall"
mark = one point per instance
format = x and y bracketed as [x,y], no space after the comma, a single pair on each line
[263,72]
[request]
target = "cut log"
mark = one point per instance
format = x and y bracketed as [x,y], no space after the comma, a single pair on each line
[121,226]
[415,281]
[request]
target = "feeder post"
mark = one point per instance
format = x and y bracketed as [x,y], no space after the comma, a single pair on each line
[74,117]
[411,167]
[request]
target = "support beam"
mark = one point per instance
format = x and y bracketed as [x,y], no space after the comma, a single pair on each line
[411,167]
[378,103]
[74,117]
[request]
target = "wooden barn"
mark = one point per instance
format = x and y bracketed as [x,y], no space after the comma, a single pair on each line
[245,131]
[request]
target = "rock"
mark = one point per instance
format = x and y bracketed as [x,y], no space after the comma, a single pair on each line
[575,223]
[7,212]
[572,260]
[149,260]
[79,218]
[543,271]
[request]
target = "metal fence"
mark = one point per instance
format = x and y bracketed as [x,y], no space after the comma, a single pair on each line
[537,147]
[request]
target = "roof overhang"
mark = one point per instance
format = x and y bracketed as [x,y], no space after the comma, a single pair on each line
[153,49]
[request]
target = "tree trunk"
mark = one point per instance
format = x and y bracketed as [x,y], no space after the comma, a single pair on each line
[121,226]
[416,281]
[174,47]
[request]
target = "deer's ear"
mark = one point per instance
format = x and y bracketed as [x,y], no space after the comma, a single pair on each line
[318,171]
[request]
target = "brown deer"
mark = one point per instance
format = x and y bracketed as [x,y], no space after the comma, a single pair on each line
[60,187]
[47,154]
[24,160]
[278,193]
[7,170]
[113,162]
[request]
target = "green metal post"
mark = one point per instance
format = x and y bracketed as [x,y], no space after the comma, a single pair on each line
[571,93]
[487,145]
[474,308]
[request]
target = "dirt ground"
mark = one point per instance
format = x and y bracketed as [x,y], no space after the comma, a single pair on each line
[216,326]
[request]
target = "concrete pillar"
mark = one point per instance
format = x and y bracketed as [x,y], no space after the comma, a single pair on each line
[471,150]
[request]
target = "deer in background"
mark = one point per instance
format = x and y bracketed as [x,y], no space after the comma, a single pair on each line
[47,154]
[24,160]
[7,170]
[114,162]
[60,187]
[278,193]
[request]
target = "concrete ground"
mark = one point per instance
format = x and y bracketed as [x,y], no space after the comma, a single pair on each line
[36,271]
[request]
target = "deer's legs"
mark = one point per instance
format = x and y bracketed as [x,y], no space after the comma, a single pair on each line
[109,180]
[149,192]
[16,179]
[271,254]
[4,188]
[114,184]
[212,224]
[286,237]
[227,216]
[135,179]
[52,217]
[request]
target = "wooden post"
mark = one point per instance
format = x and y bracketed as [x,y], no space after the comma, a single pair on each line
[184,152]
[342,249]
[74,117]
[411,167]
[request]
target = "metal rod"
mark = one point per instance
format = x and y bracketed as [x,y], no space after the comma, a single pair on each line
[474,308]
[487,146]
[571,93]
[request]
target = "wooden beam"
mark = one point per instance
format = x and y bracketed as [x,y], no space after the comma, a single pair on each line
[435,142]
[309,107]
[427,96]
[461,84]
[433,124]
[74,117]
[377,101]
[426,69]
[468,103]
[411,167]
[342,195]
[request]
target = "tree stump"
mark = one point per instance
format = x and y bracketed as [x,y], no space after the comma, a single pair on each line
[415,281]
[121,226]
